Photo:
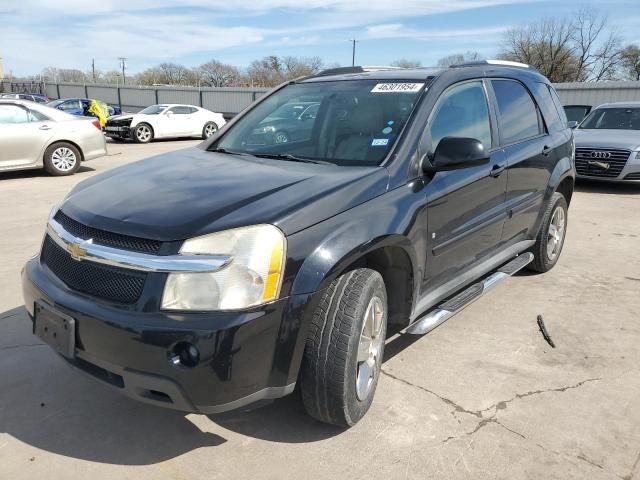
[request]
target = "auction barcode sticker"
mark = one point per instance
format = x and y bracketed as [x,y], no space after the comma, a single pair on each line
[397,87]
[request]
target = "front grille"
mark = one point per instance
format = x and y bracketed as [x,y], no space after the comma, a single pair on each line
[109,239]
[616,161]
[633,176]
[110,283]
[119,122]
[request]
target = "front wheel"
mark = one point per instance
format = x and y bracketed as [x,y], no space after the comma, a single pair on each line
[143,133]
[209,129]
[344,348]
[550,239]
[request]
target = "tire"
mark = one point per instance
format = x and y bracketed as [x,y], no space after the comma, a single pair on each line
[331,368]
[550,240]
[62,159]
[143,133]
[209,129]
[281,137]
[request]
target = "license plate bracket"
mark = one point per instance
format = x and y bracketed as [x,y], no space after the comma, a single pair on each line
[55,328]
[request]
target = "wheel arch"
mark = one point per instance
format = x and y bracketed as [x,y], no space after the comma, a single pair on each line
[70,142]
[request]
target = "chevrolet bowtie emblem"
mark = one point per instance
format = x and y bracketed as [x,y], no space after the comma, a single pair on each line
[76,251]
[602,165]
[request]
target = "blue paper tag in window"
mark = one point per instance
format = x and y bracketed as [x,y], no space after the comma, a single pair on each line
[379,142]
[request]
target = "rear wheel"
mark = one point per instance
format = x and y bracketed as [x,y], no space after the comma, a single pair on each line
[550,239]
[62,159]
[209,129]
[344,348]
[143,133]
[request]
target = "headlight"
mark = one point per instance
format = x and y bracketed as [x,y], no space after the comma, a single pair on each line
[252,277]
[638,156]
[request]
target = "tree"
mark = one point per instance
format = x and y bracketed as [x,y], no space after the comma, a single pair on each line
[567,50]
[405,63]
[53,74]
[217,74]
[468,56]
[272,70]
[630,62]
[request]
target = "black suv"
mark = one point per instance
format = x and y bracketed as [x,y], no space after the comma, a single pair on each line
[215,277]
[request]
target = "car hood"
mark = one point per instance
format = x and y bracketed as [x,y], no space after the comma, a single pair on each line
[192,192]
[626,139]
[120,117]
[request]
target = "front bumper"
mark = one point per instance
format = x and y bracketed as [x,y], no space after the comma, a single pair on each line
[122,132]
[245,357]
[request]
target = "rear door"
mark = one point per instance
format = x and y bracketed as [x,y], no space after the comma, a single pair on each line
[530,156]
[22,136]
[465,207]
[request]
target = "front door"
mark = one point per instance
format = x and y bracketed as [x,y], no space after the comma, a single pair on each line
[465,208]
[22,136]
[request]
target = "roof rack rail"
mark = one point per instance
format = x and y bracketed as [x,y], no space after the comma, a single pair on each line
[503,63]
[356,69]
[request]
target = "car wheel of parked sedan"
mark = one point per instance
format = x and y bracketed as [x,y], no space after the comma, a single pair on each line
[209,129]
[281,137]
[550,239]
[62,159]
[343,352]
[143,133]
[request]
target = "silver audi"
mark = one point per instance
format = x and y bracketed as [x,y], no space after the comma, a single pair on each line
[608,143]
[37,136]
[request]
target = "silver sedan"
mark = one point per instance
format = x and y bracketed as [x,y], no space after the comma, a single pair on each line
[37,136]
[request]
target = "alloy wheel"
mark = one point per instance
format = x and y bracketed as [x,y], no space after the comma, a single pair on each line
[369,348]
[63,159]
[555,235]
[143,133]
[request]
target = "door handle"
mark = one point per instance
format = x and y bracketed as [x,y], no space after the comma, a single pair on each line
[546,150]
[497,170]
[45,127]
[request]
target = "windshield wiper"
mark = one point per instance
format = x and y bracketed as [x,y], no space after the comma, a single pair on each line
[290,157]
[224,150]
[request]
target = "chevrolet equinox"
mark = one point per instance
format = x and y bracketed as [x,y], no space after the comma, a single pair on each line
[220,276]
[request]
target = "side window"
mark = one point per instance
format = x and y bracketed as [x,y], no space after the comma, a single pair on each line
[558,104]
[462,111]
[192,110]
[519,118]
[70,105]
[35,116]
[11,114]
[180,110]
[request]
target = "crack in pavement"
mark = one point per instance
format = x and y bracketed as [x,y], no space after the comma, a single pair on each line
[484,421]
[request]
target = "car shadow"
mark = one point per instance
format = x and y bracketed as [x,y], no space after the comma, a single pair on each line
[594,186]
[36,172]
[51,406]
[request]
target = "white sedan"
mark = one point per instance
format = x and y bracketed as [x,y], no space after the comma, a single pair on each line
[36,136]
[164,121]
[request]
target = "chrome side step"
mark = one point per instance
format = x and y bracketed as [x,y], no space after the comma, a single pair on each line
[448,309]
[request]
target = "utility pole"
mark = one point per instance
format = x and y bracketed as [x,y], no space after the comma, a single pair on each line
[123,65]
[93,69]
[353,52]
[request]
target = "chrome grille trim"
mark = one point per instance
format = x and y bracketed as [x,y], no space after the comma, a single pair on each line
[85,250]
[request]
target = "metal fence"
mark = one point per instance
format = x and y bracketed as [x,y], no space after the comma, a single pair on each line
[227,100]
[230,101]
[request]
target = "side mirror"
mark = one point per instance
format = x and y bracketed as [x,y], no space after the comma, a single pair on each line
[454,153]
[572,124]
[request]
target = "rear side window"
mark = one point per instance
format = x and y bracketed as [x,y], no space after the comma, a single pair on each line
[462,111]
[558,104]
[518,113]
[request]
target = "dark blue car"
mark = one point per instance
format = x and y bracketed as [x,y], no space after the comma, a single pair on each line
[79,106]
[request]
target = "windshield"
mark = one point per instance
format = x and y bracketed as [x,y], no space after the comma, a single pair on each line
[349,122]
[613,119]
[153,110]
[575,113]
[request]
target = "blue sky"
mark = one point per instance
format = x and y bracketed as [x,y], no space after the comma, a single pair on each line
[68,33]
